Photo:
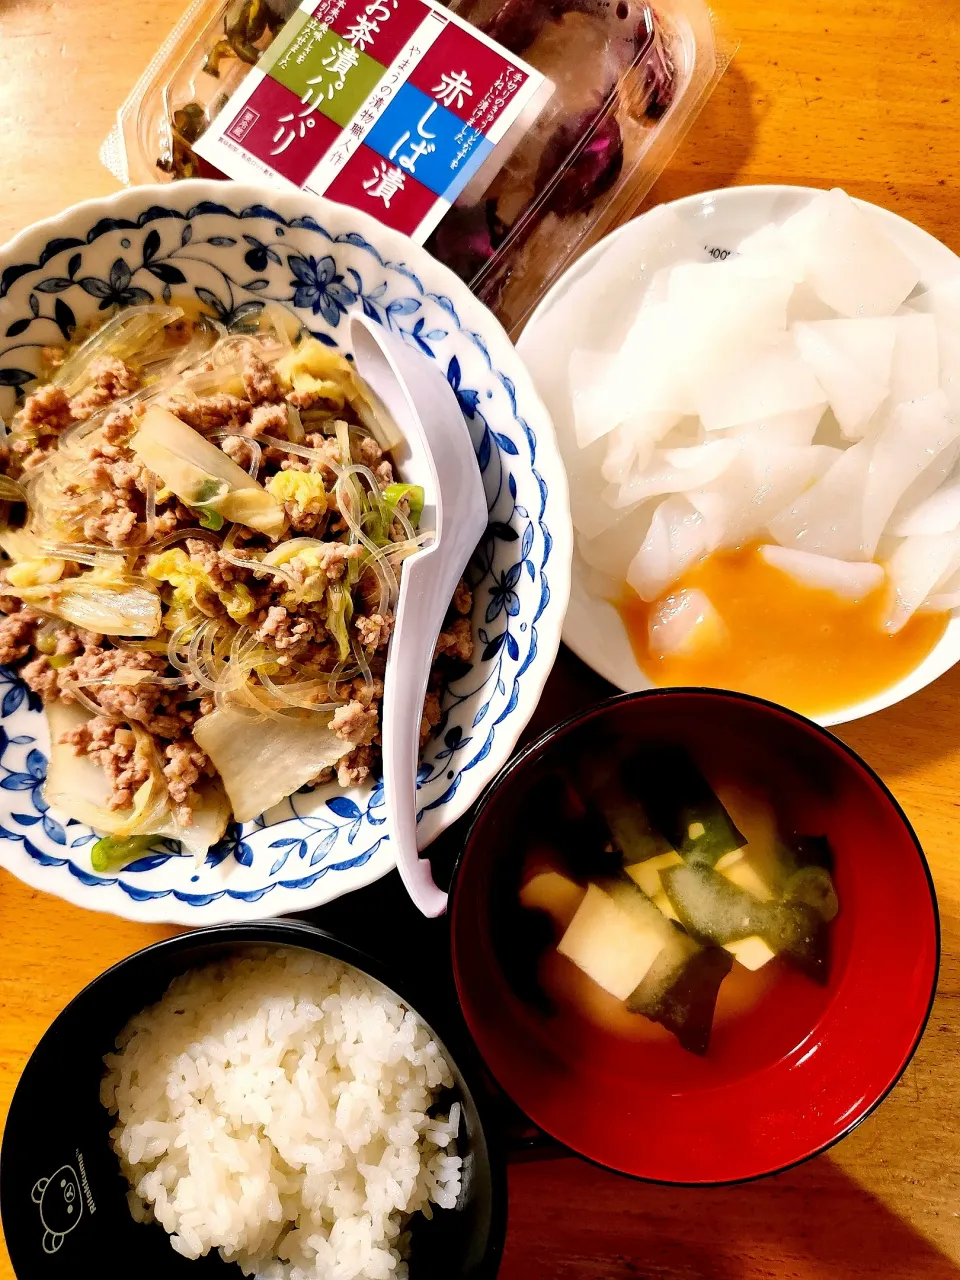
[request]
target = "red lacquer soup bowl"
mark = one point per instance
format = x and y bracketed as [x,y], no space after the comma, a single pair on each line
[792,1065]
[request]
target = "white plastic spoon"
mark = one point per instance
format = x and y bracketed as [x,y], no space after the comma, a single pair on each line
[439,454]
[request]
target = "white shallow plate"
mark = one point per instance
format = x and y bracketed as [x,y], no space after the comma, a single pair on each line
[231,247]
[600,290]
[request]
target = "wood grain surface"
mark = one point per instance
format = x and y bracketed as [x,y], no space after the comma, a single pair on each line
[849,92]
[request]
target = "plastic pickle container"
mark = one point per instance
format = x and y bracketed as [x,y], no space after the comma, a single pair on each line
[629,78]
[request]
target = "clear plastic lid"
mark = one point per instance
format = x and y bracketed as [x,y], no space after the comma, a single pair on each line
[629,79]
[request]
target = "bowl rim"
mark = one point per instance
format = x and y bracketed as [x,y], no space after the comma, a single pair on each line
[396,251]
[310,937]
[580,639]
[598,709]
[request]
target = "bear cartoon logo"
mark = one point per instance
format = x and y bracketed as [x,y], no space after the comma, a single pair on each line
[61,1206]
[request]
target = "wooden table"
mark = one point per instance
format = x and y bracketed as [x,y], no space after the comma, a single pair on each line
[859,93]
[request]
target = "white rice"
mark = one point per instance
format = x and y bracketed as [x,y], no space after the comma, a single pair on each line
[274,1107]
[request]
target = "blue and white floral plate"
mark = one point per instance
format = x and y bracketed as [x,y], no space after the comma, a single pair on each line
[232,247]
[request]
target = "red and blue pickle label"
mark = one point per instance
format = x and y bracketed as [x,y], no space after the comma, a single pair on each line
[389,106]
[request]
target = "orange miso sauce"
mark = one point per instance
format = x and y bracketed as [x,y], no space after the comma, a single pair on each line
[806,648]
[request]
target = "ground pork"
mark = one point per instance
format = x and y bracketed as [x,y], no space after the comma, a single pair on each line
[220,412]
[17,631]
[314,397]
[366,694]
[45,412]
[152,705]
[110,379]
[308,519]
[284,631]
[456,641]
[332,559]
[374,632]
[317,660]
[220,572]
[325,446]
[268,418]
[355,723]
[367,451]
[119,424]
[308,511]
[113,747]
[73,640]
[240,450]
[42,678]
[117,528]
[356,767]
[109,500]
[52,358]
[260,381]
[299,637]
[186,764]
[431,716]
[463,600]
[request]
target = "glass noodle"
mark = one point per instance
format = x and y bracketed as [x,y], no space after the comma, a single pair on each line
[298,534]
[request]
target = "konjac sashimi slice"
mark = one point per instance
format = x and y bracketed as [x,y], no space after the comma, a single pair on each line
[676,470]
[685,622]
[852,362]
[758,484]
[828,517]
[915,370]
[770,381]
[939,513]
[850,579]
[915,570]
[848,257]
[915,434]
[678,536]
[615,938]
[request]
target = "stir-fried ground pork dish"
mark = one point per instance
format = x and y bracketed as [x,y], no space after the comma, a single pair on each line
[203,536]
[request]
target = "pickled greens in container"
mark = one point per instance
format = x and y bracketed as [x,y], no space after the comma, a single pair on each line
[625,80]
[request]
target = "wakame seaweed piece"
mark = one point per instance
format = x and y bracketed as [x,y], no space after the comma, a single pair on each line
[631,830]
[813,886]
[714,910]
[802,937]
[811,851]
[557,814]
[680,990]
[682,805]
